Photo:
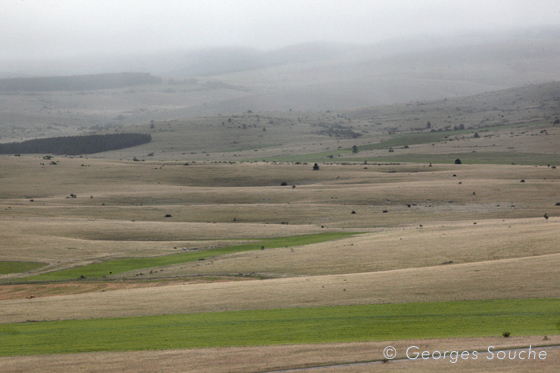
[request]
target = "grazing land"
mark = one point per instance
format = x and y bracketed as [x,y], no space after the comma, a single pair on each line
[221,236]
[15,267]
[284,326]
[117,266]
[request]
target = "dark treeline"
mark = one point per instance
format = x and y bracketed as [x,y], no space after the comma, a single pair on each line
[77,82]
[74,145]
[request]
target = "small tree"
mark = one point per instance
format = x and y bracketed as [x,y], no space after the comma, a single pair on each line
[476,135]
[354,149]
[457,161]
[428,125]
[316,167]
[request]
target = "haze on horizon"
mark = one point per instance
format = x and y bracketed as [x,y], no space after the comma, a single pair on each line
[44,29]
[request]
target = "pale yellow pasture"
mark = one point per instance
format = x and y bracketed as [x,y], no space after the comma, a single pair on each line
[446,232]
[528,277]
[271,358]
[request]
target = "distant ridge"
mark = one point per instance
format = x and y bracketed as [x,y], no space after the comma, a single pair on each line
[77,82]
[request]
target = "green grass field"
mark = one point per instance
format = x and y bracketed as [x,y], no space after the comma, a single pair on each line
[18,267]
[416,138]
[112,267]
[521,317]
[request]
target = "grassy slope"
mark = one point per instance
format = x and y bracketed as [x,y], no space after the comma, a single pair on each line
[16,267]
[418,138]
[285,326]
[98,270]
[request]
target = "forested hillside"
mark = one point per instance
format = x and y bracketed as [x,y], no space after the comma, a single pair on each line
[74,145]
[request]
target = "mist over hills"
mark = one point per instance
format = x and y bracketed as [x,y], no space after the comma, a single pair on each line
[320,76]
[305,77]
[536,43]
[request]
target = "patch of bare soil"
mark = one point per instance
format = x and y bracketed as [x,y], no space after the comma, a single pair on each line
[30,291]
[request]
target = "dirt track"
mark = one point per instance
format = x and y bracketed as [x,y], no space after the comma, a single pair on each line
[31,291]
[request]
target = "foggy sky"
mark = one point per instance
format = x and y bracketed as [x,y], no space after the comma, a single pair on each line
[70,28]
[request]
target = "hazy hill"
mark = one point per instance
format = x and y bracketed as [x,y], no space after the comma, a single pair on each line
[77,82]
[516,125]
[376,75]
[307,77]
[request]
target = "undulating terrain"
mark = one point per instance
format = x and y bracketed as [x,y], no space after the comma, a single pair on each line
[255,234]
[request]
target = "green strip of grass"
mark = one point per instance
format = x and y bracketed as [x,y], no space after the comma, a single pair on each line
[415,138]
[18,267]
[399,140]
[112,267]
[383,322]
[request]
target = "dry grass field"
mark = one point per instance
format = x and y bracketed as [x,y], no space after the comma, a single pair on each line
[337,357]
[417,215]
[424,231]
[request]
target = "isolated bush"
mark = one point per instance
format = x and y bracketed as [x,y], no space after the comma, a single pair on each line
[316,167]
[354,149]
[458,161]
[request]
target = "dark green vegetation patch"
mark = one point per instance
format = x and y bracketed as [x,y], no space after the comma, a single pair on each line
[520,317]
[74,145]
[18,267]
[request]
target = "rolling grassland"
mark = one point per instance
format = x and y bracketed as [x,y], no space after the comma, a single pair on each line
[241,257]
[395,234]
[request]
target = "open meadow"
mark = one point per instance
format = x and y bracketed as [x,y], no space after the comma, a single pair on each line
[228,250]
[106,239]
